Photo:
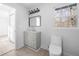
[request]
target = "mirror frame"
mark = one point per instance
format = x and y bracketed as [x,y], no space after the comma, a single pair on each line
[34,17]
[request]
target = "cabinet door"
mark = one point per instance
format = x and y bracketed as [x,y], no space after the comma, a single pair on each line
[31,39]
[38,40]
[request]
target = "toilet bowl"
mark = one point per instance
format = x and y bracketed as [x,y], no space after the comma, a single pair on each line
[55,47]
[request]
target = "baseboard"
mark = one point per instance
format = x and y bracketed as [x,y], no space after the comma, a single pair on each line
[67,54]
[12,42]
[32,48]
[3,35]
[45,48]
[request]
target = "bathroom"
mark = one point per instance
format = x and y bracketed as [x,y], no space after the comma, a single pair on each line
[69,34]
[47,27]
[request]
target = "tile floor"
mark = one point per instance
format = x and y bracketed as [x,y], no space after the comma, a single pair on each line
[27,52]
[8,49]
[5,45]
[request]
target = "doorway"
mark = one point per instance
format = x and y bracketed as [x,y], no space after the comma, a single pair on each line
[7,28]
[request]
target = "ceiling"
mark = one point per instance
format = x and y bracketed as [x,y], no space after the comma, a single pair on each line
[6,8]
[30,5]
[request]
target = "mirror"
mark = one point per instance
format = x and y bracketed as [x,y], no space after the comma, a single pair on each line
[35,21]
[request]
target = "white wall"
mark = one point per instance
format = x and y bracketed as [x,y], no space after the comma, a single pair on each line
[20,23]
[4,18]
[70,40]
[70,36]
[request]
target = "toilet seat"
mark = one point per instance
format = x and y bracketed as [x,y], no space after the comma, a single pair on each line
[55,51]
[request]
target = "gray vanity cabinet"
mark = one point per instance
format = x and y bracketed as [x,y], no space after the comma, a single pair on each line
[33,39]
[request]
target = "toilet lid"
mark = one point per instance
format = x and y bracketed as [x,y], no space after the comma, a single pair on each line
[55,50]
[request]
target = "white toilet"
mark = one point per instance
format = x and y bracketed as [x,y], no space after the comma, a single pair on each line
[55,47]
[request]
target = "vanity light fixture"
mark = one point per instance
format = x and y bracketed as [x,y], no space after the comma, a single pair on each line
[33,11]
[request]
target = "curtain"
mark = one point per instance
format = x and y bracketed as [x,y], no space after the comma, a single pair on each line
[66,17]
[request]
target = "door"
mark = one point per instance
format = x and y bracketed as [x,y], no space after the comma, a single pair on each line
[11,32]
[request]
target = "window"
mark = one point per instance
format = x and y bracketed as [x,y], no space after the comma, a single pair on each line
[66,17]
